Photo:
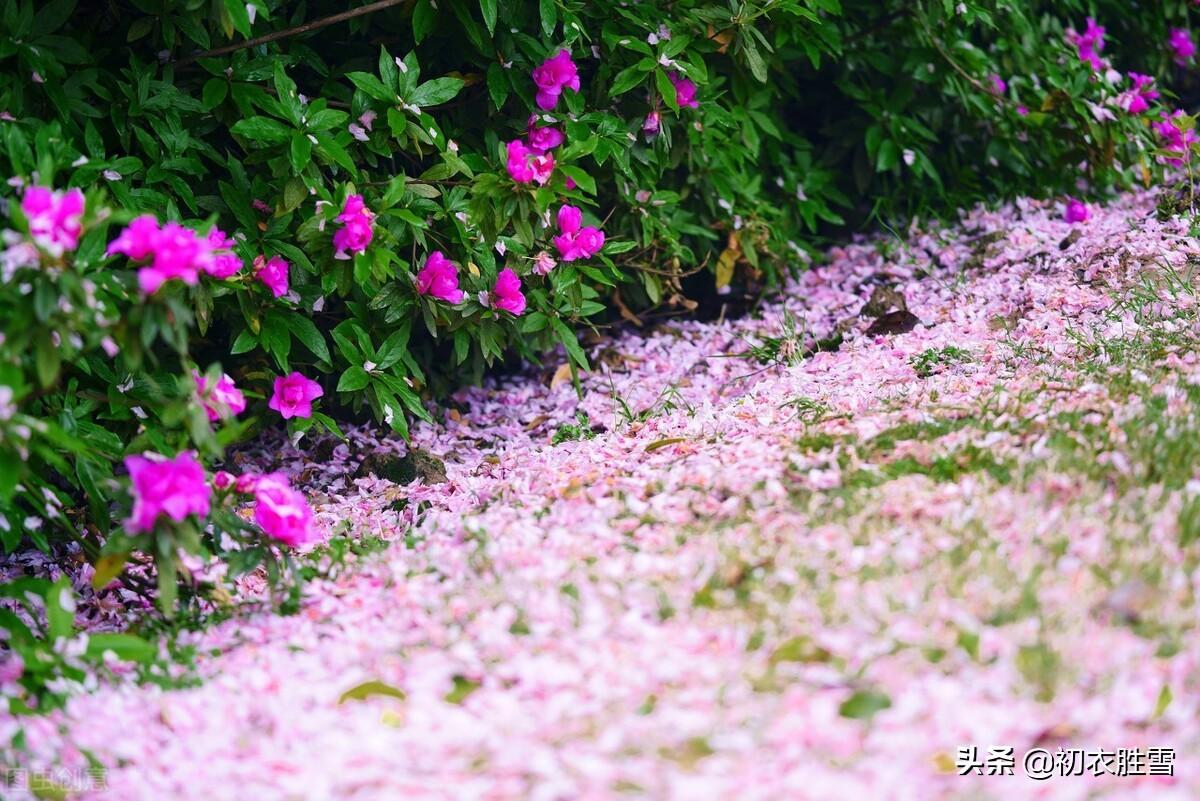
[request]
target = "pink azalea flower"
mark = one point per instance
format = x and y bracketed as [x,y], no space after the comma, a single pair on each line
[1180,42]
[273,273]
[652,125]
[543,138]
[293,395]
[685,91]
[506,294]
[54,217]
[172,487]
[223,400]
[175,252]
[574,241]
[283,513]
[138,239]
[1076,211]
[439,279]
[1177,139]
[543,263]
[225,262]
[1023,111]
[223,480]
[1089,43]
[525,166]
[356,233]
[555,74]
[999,87]
[1138,98]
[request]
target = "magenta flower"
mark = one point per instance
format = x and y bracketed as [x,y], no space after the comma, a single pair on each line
[138,240]
[1076,211]
[575,241]
[1137,99]
[223,400]
[506,294]
[1176,138]
[174,252]
[525,166]
[543,138]
[54,218]
[1089,43]
[356,233]
[273,273]
[223,480]
[439,279]
[652,124]
[1180,42]
[685,91]
[172,487]
[555,74]
[998,86]
[293,395]
[225,262]
[282,512]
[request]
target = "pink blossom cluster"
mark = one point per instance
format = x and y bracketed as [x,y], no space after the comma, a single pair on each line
[1183,48]
[174,487]
[1137,98]
[542,138]
[283,512]
[685,91]
[526,165]
[1175,137]
[273,274]
[507,294]
[574,240]
[1089,43]
[171,252]
[292,395]
[552,76]
[55,218]
[356,233]
[438,278]
[225,263]
[222,400]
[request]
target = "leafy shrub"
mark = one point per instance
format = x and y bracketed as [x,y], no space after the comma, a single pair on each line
[349,211]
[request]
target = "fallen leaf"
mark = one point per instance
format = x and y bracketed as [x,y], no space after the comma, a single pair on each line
[561,376]
[662,443]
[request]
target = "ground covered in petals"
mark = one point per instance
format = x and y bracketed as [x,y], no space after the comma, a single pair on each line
[943,494]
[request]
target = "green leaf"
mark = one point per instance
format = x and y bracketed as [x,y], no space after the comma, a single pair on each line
[754,60]
[864,705]
[581,178]
[497,83]
[567,337]
[548,11]
[372,86]
[215,90]
[306,331]
[488,7]
[60,609]
[301,151]
[239,15]
[435,92]
[353,379]
[262,129]
[370,688]
[423,19]
[126,647]
[666,89]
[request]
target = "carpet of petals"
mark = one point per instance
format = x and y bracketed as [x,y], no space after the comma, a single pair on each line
[813,578]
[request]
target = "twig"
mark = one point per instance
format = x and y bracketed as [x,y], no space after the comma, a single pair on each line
[370,8]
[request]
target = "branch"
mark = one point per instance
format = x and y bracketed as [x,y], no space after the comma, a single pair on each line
[370,8]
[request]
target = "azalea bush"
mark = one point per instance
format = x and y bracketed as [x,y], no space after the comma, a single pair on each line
[225,215]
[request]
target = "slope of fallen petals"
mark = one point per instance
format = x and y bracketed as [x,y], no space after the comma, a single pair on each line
[811,577]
